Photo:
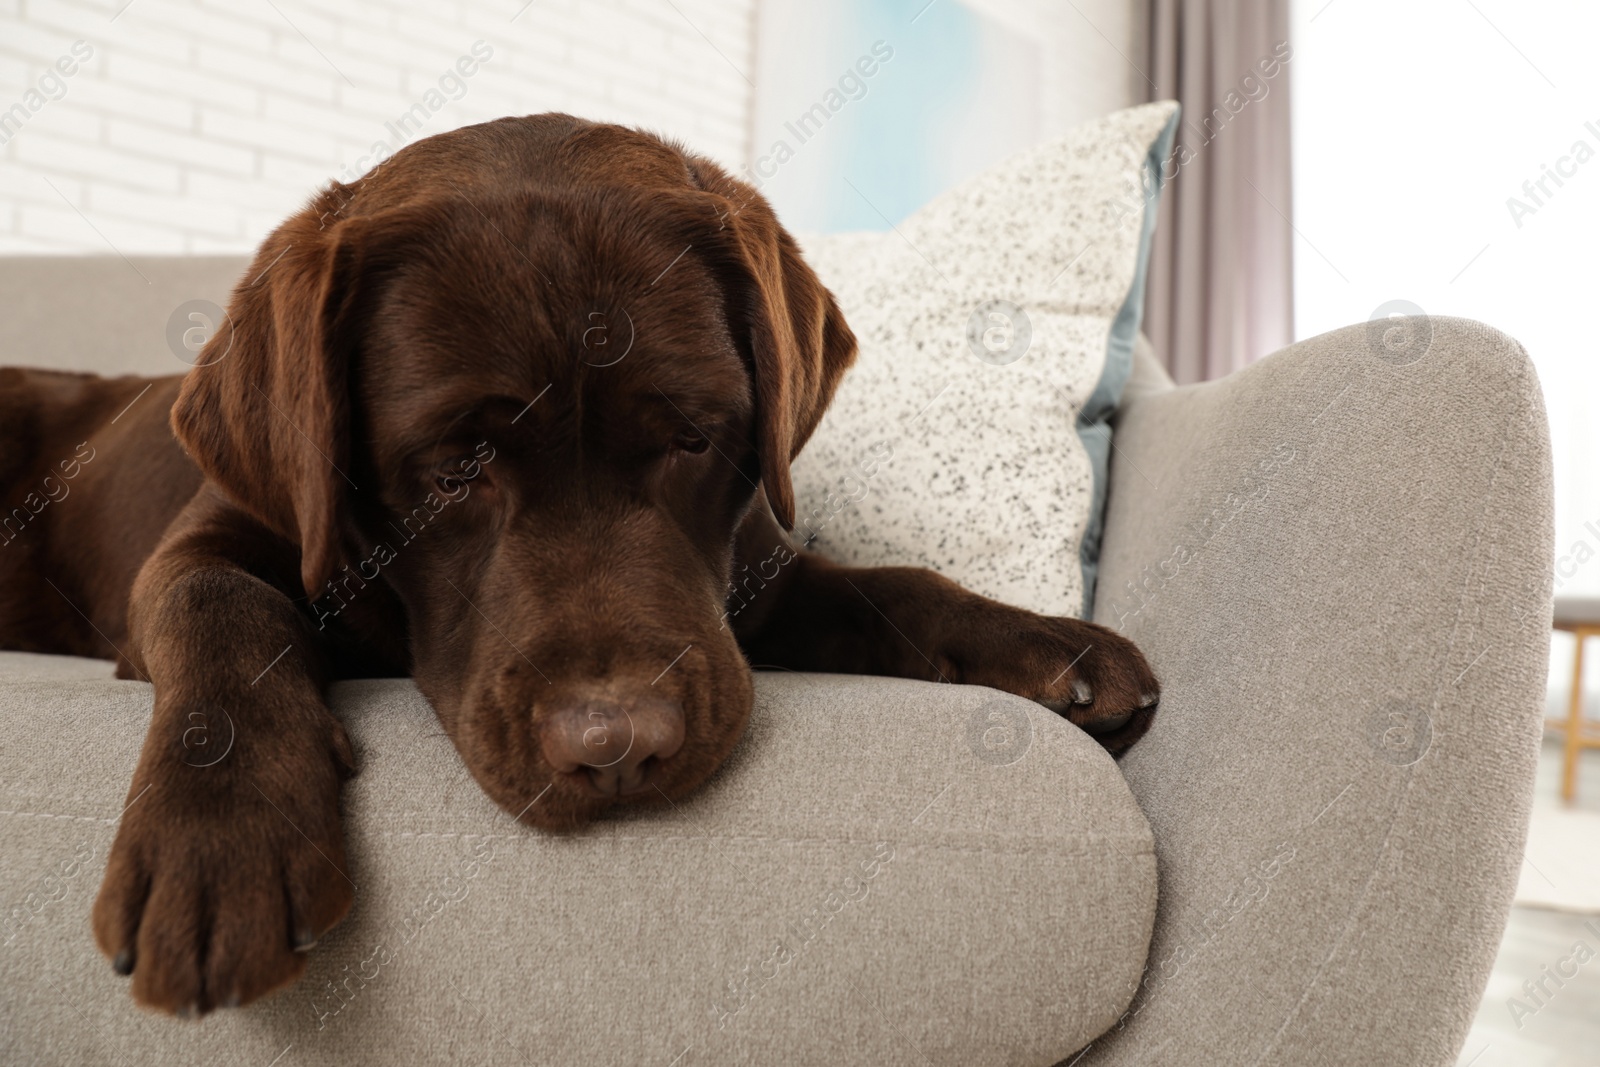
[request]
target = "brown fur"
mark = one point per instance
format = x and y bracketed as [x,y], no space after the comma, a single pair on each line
[409,451]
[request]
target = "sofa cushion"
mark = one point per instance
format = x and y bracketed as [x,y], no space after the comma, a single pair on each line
[997,328]
[885,871]
[110,315]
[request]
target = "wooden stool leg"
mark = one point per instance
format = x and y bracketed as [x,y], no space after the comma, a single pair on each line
[1571,745]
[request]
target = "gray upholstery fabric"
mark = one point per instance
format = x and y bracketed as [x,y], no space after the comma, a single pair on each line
[104,313]
[942,905]
[1352,643]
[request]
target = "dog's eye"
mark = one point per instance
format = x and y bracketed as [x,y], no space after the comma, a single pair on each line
[455,477]
[688,441]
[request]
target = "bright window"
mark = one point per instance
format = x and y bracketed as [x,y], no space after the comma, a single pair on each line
[1447,153]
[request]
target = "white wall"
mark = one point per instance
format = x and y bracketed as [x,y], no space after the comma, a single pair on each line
[197,125]
[1092,52]
[191,126]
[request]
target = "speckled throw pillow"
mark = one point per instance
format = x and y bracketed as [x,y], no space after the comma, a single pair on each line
[996,327]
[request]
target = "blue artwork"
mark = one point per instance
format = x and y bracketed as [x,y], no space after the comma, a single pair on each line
[866,109]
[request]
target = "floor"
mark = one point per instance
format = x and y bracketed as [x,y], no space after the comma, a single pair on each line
[1560,1027]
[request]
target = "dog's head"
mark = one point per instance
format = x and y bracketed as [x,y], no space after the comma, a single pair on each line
[537,410]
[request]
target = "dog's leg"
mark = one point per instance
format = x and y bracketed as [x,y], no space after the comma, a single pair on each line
[794,609]
[229,862]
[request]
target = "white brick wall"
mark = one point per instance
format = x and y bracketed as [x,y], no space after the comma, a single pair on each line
[197,125]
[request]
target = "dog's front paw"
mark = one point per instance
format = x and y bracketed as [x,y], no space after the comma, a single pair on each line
[222,875]
[1092,675]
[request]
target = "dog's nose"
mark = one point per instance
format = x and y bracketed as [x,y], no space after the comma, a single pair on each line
[618,742]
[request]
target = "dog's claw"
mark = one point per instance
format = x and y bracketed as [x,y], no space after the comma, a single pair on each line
[123,964]
[1110,724]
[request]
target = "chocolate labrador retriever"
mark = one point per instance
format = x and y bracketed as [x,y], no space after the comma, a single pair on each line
[512,414]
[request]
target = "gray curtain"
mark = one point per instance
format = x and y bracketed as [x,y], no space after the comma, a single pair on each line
[1221,275]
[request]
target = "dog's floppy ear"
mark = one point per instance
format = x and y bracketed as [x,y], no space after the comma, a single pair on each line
[800,344]
[265,411]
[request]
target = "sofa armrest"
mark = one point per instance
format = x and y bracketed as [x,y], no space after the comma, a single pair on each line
[1339,563]
[885,871]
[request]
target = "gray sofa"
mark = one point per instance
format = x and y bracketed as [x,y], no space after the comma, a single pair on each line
[1338,561]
